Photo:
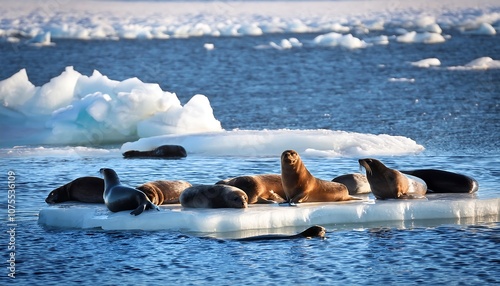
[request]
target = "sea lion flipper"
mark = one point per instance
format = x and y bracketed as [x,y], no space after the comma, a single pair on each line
[261,200]
[138,210]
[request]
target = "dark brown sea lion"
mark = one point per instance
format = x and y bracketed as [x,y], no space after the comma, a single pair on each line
[387,183]
[84,189]
[260,189]
[300,186]
[439,181]
[356,183]
[163,191]
[313,231]
[118,197]
[213,196]
[164,151]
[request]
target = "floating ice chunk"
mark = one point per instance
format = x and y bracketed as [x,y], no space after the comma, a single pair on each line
[426,38]
[297,26]
[336,27]
[272,142]
[295,42]
[379,40]
[426,63]
[41,40]
[483,29]
[16,90]
[208,46]
[401,79]
[483,63]
[250,30]
[335,39]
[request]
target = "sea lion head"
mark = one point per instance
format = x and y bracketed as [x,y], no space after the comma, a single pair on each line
[237,199]
[53,197]
[289,157]
[314,231]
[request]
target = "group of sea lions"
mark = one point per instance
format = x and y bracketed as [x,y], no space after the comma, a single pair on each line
[294,185]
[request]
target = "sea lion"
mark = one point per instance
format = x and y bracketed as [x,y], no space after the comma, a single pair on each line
[356,183]
[164,151]
[84,189]
[300,186]
[163,191]
[439,181]
[387,183]
[118,197]
[313,231]
[213,196]
[260,189]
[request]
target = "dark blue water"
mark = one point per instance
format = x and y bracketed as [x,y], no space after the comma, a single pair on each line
[454,114]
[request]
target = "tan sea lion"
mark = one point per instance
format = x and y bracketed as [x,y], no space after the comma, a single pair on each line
[387,183]
[163,191]
[84,189]
[213,196]
[260,189]
[118,197]
[356,183]
[300,186]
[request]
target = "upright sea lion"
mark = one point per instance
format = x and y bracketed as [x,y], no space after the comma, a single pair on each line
[260,189]
[439,181]
[213,196]
[356,183]
[313,231]
[164,151]
[163,191]
[387,183]
[300,186]
[84,189]
[118,197]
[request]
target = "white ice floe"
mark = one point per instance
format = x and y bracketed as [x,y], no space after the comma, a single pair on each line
[426,38]
[258,219]
[483,63]
[334,39]
[324,143]
[426,63]
[483,29]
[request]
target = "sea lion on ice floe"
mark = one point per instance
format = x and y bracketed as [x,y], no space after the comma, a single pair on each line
[260,189]
[118,197]
[356,183]
[439,181]
[387,183]
[300,186]
[213,196]
[164,191]
[83,189]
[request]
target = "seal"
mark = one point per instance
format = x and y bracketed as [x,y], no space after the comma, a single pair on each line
[118,197]
[300,186]
[260,189]
[83,189]
[164,192]
[164,151]
[313,231]
[387,183]
[440,181]
[213,196]
[356,183]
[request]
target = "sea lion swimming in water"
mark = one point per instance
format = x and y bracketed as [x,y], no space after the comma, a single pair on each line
[387,183]
[118,197]
[300,186]
[313,231]
[164,151]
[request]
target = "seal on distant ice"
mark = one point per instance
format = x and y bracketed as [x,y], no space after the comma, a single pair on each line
[213,196]
[83,189]
[164,151]
[164,191]
[387,183]
[313,231]
[300,186]
[118,197]
[260,189]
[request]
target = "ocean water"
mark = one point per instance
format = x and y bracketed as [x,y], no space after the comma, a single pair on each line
[454,114]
